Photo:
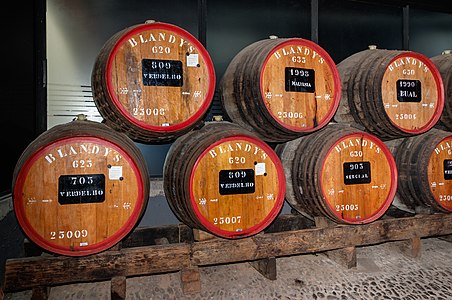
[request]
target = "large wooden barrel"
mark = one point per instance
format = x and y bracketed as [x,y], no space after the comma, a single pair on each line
[281,88]
[79,188]
[444,64]
[424,163]
[153,81]
[339,172]
[390,93]
[223,180]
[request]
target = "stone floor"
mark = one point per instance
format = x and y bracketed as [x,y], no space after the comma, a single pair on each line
[382,272]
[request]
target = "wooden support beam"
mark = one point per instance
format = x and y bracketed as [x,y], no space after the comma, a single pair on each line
[26,273]
[316,240]
[118,288]
[40,293]
[200,235]
[346,257]
[266,266]
[412,247]
[190,280]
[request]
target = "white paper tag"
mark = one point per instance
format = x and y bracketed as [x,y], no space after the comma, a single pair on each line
[259,169]
[192,60]
[115,172]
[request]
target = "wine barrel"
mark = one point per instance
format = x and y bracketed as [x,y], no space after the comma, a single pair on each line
[223,180]
[444,64]
[390,93]
[153,81]
[424,163]
[339,172]
[281,88]
[79,188]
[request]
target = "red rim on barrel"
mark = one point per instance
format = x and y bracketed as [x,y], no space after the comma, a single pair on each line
[391,93]
[231,184]
[80,188]
[341,173]
[424,162]
[281,88]
[153,81]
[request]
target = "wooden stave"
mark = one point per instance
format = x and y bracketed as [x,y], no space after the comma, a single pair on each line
[312,203]
[112,115]
[355,77]
[83,128]
[304,171]
[250,100]
[245,63]
[193,145]
[412,155]
[383,128]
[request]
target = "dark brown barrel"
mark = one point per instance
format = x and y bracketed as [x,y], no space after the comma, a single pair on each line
[281,88]
[424,163]
[444,64]
[339,172]
[79,188]
[224,180]
[153,81]
[390,93]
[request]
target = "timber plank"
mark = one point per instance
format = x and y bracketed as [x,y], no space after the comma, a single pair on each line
[27,273]
[322,239]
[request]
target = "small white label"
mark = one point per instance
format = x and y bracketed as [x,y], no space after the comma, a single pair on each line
[115,172]
[192,60]
[259,169]
[82,244]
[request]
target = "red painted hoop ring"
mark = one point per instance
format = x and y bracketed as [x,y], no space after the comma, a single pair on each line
[207,99]
[273,213]
[77,250]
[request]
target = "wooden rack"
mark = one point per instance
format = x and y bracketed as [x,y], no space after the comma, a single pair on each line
[173,248]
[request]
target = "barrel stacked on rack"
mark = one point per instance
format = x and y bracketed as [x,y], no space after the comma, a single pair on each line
[224,180]
[281,88]
[339,172]
[79,188]
[390,93]
[153,81]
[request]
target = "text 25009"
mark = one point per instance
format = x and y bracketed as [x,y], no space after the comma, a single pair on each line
[69,234]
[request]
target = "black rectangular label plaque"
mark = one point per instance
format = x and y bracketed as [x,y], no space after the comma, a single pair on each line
[357,172]
[158,72]
[408,90]
[77,189]
[447,169]
[236,181]
[299,80]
